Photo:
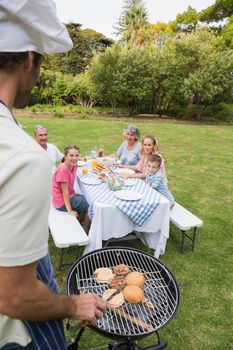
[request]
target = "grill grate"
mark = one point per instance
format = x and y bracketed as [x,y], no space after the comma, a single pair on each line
[160,289]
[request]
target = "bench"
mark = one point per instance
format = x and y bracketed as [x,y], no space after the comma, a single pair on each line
[66,231]
[185,221]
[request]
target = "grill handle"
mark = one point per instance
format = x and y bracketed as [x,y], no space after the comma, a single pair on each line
[71,327]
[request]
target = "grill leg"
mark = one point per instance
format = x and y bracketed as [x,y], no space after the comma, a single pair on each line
[160,346]
[125,345]
[74,346]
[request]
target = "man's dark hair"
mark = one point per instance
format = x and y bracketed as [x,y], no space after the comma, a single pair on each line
[10,60]
[155,158]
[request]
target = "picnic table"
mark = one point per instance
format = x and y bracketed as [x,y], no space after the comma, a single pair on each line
[110,219]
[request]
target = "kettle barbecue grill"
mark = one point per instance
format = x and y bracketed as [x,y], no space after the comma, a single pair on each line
[130,322]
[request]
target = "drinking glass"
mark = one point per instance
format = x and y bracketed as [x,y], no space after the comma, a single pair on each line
[84,171]
[94,163]
[101,151]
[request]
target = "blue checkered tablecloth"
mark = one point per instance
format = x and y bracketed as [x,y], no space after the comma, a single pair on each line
[138,211]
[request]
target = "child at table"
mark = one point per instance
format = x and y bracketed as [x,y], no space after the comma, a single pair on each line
[155,179]
[63,196]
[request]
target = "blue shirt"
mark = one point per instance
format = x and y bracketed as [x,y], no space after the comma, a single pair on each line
[129,157]
[47,335]
[156,181]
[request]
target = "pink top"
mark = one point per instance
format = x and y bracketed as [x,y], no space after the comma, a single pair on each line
[62,174]
[142,165]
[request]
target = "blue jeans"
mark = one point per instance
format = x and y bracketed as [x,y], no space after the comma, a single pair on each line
[78,203]
[14,346]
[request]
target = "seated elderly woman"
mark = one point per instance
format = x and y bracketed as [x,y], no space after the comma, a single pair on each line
[129,151]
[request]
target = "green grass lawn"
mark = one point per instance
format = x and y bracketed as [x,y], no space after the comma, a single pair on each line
[200,172]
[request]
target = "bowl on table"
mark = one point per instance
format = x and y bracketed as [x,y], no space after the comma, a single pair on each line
[114,183]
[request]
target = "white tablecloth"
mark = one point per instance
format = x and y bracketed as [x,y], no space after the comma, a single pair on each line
[110,222]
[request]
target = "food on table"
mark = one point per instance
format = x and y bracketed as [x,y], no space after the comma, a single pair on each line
[103,275]
[125,175]
[114,183]
[101,168]
[135,278]
[102,176]
[121,269]
[133,294]
[117,282]
[116,301]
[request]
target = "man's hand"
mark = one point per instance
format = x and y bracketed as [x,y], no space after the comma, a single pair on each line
[23,297]
[88,307]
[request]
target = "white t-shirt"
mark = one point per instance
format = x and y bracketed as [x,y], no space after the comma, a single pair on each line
[25,180]
[54,154]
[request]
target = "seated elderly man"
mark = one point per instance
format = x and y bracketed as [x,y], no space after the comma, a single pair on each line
[41,137]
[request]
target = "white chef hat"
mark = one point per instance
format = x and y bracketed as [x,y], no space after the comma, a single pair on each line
[32,25]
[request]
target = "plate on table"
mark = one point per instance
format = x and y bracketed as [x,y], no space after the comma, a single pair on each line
[129,182]
[128,195]
[90,181]
[81,163]
[125,171]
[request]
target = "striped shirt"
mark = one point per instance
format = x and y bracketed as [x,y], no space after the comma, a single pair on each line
[156,181]
[47,335]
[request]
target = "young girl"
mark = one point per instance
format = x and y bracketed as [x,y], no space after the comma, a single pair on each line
[63,196]
[154,178]
[149,147]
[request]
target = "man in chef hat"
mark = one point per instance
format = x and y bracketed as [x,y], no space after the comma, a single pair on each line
[31,309]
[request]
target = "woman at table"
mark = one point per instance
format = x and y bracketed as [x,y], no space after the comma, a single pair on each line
[63,196]
[149,147]
[130,150]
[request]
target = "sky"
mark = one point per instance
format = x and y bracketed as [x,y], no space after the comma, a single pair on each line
[102,15]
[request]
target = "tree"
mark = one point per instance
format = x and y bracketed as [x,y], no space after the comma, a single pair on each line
[217,12]
[187,21]
[133,81]
[227,33]
[82,91]
[72,62]
[212,82]
[133,24]
[162,32]
[86,43]
[203,70]
[122,76]
[103,74]
[94,42]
